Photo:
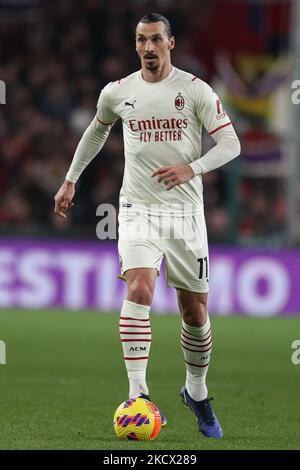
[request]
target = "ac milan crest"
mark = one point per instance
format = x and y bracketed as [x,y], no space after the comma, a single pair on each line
[179,102]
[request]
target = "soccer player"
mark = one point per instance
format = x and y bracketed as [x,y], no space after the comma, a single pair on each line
[163,110]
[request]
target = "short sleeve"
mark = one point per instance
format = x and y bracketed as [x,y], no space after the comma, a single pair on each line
[209,109]
[105,114]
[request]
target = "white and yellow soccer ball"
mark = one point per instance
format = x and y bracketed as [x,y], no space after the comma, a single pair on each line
[137,420]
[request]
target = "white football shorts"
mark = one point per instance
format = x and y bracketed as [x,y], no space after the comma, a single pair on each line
[144,240]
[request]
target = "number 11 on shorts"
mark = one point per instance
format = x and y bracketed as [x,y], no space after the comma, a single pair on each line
[202,261]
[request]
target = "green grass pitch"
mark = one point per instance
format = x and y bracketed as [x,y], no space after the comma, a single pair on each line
[65,377]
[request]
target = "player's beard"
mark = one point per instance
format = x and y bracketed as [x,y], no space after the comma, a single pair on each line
[153,65]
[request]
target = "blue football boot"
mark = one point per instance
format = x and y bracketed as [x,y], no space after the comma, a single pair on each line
[208,423]
[163,418]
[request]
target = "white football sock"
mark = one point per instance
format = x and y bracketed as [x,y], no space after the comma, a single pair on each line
[135,333]
[196,345]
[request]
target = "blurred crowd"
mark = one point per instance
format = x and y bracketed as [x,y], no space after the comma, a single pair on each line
[54,64]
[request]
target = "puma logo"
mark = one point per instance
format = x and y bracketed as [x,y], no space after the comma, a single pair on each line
[130,104]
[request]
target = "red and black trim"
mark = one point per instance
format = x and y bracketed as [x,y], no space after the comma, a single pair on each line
[134,326]
[135,333]
[135,358]
[220,127]
[200,346]
[196,350]
[135,319]
[104,123]
[204,338]
[135,340]
[197,365]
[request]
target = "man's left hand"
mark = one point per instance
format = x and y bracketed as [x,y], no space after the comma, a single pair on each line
[174,175]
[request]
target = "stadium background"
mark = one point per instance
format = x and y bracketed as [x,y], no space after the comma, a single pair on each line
[54,59]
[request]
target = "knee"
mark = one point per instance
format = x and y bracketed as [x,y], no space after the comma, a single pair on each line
[140,293]
[195,314]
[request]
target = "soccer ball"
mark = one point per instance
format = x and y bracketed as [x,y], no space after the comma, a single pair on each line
[137,420]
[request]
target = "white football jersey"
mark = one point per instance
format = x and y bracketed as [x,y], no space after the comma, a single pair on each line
[162,126]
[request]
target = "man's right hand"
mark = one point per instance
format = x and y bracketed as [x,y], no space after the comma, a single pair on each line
[63,198]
